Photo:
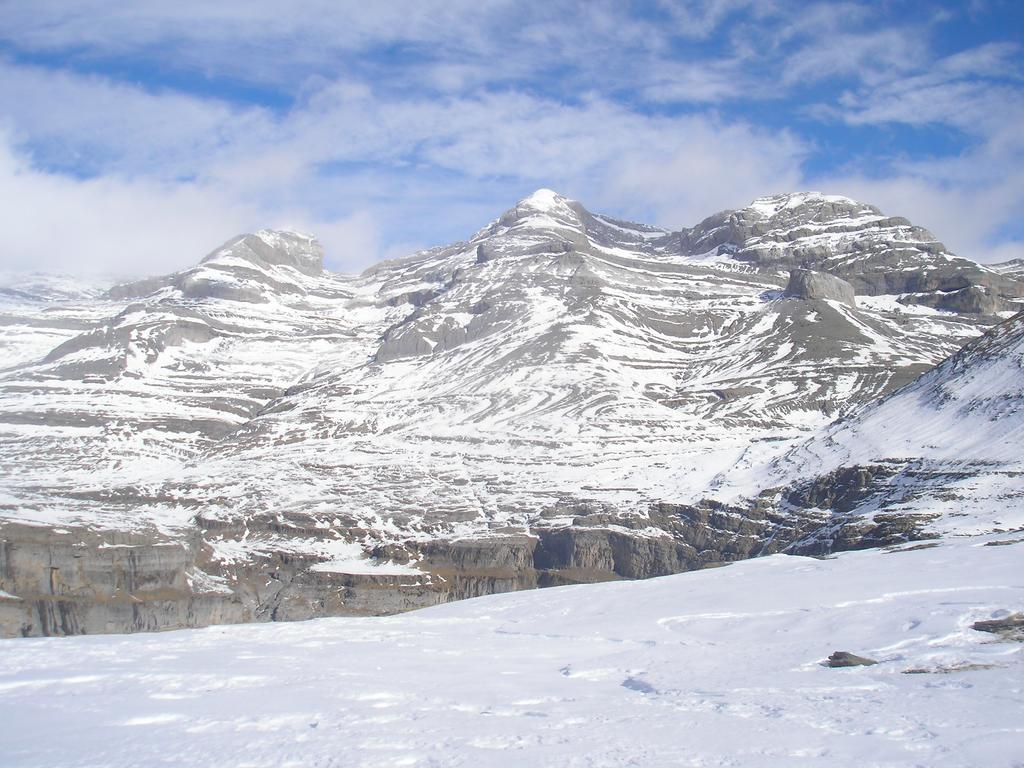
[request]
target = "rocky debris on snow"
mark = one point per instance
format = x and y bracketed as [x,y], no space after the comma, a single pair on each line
[840,659]
[1008,628]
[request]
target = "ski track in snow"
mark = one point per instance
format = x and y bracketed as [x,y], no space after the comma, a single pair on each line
[712,668]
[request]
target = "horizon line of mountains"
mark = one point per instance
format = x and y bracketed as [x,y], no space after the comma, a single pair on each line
[564,397]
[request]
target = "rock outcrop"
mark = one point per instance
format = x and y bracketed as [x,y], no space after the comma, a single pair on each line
[972,299]
[808,284]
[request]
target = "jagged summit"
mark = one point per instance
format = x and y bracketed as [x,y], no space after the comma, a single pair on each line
[771,227]
[548,216]
[877,254]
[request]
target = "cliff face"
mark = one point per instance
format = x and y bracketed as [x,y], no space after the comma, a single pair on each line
[82,581]
[549,402]
[78,581]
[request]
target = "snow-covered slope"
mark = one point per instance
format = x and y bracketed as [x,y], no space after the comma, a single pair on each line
[968,408]
[39,311]
[716,668]
[946,447]
[153,380]
[511,410]
[541,354]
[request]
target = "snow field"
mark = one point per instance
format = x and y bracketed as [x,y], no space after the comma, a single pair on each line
[712,668]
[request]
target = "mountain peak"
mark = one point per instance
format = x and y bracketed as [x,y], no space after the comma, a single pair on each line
[273,247]
[564,373]
[772,205]
[548,203]
[544,199]
[245,268]
[544,209]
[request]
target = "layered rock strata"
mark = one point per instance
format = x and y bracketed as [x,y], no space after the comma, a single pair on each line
[549,402]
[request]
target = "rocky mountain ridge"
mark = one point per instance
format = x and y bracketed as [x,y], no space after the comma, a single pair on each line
[549,401]
[1013,268]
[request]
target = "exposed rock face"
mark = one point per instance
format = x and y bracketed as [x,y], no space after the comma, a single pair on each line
[81,581]
[1013,268]
[808,284]
[66,582]
[975,299]
[876,254]
[549,402]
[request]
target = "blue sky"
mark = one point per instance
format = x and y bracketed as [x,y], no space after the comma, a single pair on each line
[135,137]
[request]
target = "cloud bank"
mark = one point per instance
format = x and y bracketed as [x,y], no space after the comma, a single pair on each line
[135,139]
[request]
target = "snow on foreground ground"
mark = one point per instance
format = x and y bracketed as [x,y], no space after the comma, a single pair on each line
[718,667]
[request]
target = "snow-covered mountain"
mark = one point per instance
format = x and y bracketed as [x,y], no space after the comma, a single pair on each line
[259,438]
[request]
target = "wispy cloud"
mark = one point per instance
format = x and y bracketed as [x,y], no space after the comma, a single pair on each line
[92,124]
[410,123]
[344,148]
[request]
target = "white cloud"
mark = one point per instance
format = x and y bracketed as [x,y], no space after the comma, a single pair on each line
[334,162]
[970,91]
[696,82]
[965,219]
[709,167]
[204,35]
[474,105]
[867,56]
[970,198]
[97,125]
[998,59]
[257,41]
[700,19]
[129,227]
[107,225]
